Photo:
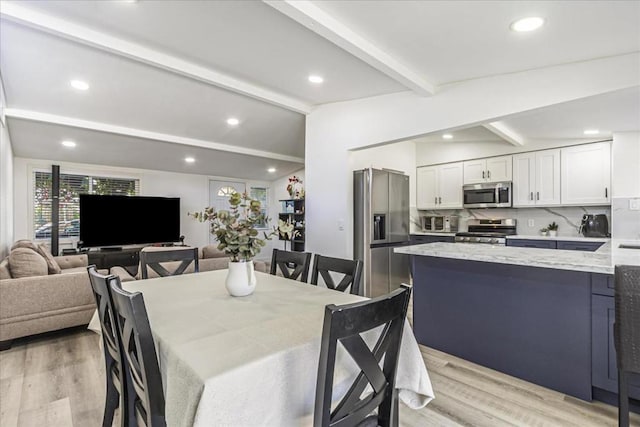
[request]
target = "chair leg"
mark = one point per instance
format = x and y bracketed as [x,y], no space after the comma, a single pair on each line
[111,403]
[623,399]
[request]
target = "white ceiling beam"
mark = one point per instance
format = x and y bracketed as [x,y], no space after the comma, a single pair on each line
[140,133]
[315,19]
[500,129]
[140,53]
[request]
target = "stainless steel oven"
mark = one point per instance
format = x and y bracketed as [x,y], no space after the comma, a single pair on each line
[494,195]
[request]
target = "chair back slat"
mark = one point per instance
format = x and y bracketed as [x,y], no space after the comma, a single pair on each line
[324,266]
[153,259]
[292,265]
[346,324]
[112,346]
[627,323]
[140,354]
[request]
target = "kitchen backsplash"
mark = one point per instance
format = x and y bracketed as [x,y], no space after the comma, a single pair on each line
[625,223]
[567,218]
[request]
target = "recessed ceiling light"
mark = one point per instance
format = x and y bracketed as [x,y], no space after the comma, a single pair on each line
[591,132]
[69,144]
[189,159]
[527,24]
[447,136]
[315,79]
[79,84]
[232,121]
[271,170]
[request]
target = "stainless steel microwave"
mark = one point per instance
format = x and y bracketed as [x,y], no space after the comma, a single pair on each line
[494,195]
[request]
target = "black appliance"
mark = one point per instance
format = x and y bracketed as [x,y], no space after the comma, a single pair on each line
[594,225]
[492,231]
[128,220]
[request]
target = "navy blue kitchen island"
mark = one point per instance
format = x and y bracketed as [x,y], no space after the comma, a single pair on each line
[525,312]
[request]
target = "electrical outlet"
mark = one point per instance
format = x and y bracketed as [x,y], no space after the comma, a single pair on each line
[634,204]
[531,223]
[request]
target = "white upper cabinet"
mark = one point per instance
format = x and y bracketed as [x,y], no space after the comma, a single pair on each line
[439,187]
[427,187]
[450,186]
[586,174]
[536,178]
[493,169]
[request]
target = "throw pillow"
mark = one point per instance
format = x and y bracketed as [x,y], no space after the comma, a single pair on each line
[212,251]
[52,265]
[4,269]
[24,262]
[25,243]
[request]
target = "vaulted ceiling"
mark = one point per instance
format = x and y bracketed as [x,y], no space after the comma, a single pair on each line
[165,76]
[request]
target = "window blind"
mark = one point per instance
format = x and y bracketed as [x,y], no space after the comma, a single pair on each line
[71,186]
[261,194]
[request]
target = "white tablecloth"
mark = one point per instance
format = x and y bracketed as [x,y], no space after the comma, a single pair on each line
[252,360]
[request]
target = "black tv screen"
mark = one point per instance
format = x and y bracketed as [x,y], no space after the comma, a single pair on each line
[128,220]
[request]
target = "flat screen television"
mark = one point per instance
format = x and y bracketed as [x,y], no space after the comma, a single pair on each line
[128,220]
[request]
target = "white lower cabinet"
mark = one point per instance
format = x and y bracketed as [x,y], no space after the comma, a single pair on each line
[536,178]
[439,187]
[586,174]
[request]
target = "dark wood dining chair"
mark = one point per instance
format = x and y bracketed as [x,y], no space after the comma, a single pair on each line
[155,259]
[323,266]
[292,265]
[116,395]
[344,324]
[145,393]
[626,330]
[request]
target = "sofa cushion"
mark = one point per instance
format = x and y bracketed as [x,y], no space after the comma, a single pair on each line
[25,243]
[52,265]
[4,269]
[212,251]
[24,262]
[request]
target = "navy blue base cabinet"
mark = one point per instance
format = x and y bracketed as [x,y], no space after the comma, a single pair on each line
[418,239]
[532,323]
[529,243]
[569,245]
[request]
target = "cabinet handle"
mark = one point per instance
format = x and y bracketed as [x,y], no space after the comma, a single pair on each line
[532,195]
[440,200]
[482,174]
[436,202]
[488,174]
[537,195]
[606,193]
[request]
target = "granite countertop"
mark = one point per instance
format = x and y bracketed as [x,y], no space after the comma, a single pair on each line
[601,261]
[434,233]
[563,238]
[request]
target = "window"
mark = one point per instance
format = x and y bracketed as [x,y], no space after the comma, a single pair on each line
[260,194]
[71,186]
[226,191]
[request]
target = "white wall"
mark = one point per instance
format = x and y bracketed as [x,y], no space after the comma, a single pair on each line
[625,171]
[334,129]
[193,191]
[6,192]
[6,182]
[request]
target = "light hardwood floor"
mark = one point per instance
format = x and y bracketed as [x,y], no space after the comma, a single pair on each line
[58,380]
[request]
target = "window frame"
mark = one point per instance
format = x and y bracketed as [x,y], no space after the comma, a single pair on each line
[91,172]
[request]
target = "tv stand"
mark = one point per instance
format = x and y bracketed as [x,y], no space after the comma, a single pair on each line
[105,258]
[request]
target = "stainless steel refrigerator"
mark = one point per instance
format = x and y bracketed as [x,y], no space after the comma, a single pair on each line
[381,223]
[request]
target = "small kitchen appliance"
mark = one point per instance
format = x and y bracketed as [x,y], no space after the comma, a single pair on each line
[594,225]
[487,195]
[492,231]
[439,223]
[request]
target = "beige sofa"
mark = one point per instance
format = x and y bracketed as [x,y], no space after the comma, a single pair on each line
[209,258]
[34,301]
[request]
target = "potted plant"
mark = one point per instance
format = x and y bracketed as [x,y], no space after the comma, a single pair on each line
[553,229]
[235,231]
[544,231]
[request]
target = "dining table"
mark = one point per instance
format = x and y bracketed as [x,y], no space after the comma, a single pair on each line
[253,360]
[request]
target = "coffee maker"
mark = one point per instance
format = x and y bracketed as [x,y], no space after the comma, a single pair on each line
[594,225]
